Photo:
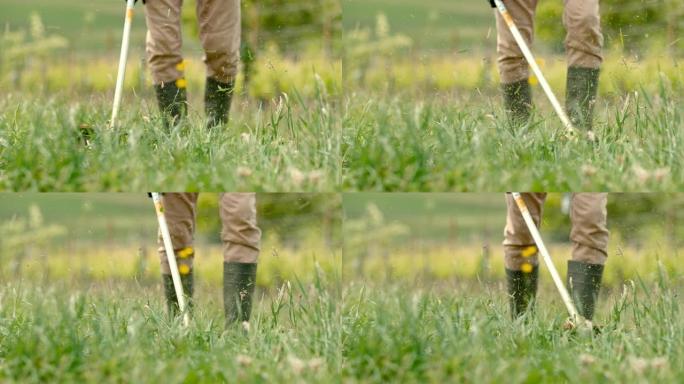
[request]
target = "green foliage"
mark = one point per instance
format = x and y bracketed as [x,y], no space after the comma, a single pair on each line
[638,23]
[73,332]
[631,24]
[548,24]
[293,145]
[363,47]
[457,333]
[24,238]
[23,50]
[451,144]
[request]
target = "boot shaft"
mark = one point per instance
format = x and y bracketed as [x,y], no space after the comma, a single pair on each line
[522,289]
[217,100]
[517,101]
[239,281]
[581,89]
[187,281]
[584,284]
[173,102]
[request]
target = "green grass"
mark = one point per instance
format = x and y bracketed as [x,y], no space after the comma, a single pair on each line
[291,144]
[461,142]
[119,332]
[461,332]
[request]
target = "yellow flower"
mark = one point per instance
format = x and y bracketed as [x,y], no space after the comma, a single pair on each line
[181,83]
[181,66]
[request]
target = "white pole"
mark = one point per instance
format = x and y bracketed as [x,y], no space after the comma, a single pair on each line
[168,247]
[574,315]
[533,64]
[123,58]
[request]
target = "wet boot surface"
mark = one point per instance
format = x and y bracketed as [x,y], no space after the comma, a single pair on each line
[584,283]
[170,293]
[173,103]
[522,290]
[517,99]
[217,100]
[581,90]
[239,281]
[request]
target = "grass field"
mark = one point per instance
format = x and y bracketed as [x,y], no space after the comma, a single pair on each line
[425,296]
[291,145]
[439,125]
[461,332]
[84,304]
[120,332]
[435,145]
[423,113]
[422,120]
[54,118]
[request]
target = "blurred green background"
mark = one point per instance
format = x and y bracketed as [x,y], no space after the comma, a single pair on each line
[113,235]
[66,44]
[440,236]
[438,46]
[454,25]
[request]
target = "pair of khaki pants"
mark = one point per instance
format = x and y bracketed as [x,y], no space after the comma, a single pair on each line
[240,235]
[589,234]
[583,40]
[219,30]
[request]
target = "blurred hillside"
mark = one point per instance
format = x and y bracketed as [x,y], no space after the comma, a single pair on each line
[113,235]
[438,218]
[463,25]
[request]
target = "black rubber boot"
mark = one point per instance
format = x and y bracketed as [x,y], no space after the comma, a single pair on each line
[173,102]
[522,289]
[584,283]
[239,281]
[217,98]
[580,96]
[170,293]
[517,101]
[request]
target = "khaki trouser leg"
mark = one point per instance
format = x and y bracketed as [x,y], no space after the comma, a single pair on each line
[219,26]
[164,40]
[583,41]
[180,211]
[589,234]
[511,62]
[240,235]
[519,246]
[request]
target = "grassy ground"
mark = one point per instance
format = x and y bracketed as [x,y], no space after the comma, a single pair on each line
[283,135]
[120,333]
[291,145]
[462,332]
[412,136]
[420,119]
[92,311]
